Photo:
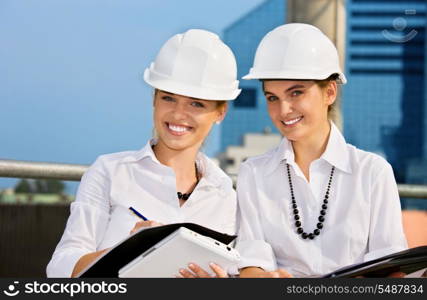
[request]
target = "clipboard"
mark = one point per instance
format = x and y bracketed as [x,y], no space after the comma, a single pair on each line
[175,251]
[407,261]
[109,264]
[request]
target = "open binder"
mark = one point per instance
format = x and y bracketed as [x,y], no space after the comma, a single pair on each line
[407,261]
[109,264]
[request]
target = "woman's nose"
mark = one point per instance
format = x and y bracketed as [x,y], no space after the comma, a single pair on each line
[285,108]
[180,110]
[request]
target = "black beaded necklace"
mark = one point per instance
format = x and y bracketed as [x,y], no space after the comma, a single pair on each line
[321,218]
[185,196]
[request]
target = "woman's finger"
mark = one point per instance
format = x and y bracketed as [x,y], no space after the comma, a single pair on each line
[153,223]
[186,274]
[141,224]
[397,275]
[220,272]
[198,271]
[273,274]
[284,274]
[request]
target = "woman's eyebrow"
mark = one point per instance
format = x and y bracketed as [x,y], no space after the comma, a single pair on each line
[296,86]
[192,98]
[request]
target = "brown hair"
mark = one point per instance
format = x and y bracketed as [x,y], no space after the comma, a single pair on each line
[333,109]
[220,103]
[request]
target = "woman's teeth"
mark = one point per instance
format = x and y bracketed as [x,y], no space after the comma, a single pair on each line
[293,121]
[178,128]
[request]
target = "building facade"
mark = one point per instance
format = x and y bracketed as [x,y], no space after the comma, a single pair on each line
[384,103]
[248,113]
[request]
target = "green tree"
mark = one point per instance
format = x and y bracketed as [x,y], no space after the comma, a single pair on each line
[23,186]
[40,186]
[49,186]
[55,186]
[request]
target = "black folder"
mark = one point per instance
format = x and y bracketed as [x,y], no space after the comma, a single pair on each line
[109,264]
[407,261]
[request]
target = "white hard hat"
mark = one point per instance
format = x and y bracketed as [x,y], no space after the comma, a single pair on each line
[195,64]
[296,51]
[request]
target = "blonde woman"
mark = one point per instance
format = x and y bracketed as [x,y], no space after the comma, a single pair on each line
[169,180]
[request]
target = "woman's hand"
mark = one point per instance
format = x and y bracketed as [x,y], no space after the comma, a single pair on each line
[85,260]
[254,272]
[391,275]
[141,224]
[197,272]
[396,275]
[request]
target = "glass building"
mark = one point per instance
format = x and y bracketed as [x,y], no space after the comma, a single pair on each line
[248,113]
[384,103]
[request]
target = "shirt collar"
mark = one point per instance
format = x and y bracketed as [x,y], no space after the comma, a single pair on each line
[146,152]
[336,153]
[282,152]
[212,174]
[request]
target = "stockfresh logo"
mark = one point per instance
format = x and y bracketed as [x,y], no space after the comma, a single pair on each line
[11,290]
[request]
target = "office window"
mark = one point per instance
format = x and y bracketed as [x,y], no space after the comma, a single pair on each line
[246,99]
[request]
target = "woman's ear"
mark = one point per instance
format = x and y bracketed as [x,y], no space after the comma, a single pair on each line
[222,111]
[331,92]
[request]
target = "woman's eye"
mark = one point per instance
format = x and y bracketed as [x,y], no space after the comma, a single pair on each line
[197,104]
[167,98]
[272,98]
[296,93]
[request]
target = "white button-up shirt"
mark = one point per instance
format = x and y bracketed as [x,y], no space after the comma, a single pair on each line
[100,216]
[362,222]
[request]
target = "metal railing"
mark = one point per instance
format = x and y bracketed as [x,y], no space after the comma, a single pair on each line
[412,191]
[73,172]
[41,170]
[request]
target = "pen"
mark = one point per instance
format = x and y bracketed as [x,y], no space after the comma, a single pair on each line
[137,213]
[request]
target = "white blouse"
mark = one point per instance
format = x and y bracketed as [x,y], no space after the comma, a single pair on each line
[362,222]
[100,216]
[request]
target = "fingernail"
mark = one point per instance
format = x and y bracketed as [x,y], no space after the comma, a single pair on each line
[181,271]
[191,266]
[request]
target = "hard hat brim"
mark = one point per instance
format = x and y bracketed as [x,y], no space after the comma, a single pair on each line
[294,75]
[189,90]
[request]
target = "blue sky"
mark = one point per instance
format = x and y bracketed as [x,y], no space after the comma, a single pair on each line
[70,72]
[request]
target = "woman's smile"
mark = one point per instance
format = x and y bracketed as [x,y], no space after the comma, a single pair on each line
[292,122]
[177,129]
